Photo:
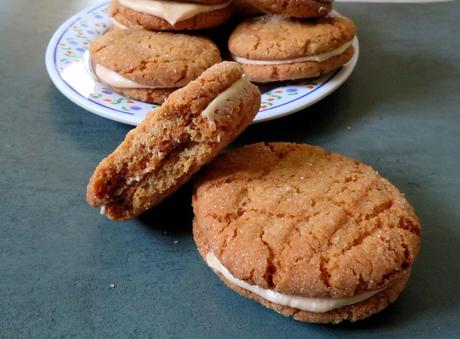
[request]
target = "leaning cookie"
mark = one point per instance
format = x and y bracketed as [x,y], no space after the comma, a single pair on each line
[148,66]
[170,15]
[174,141]
[274,48]
[294,8]
[310,234]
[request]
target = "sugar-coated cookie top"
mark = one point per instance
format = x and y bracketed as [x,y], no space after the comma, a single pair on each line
[154,58]
[277,37]
[302,221]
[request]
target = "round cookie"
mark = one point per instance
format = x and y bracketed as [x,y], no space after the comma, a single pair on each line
[174,141]
[310,234]
[148,66]
[294,8]
[196,15]
[275,48]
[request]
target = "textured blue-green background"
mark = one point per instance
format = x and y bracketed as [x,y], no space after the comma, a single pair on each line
[399,112]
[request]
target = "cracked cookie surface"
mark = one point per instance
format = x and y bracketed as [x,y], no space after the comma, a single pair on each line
[163,59]
[298,220]
[276,37]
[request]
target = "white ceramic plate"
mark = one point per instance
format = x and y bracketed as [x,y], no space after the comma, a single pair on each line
[68,65]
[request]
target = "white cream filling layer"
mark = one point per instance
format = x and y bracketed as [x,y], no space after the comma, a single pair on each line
[318,57]
[219,102]
[316,305]
[114,79]
[171,11]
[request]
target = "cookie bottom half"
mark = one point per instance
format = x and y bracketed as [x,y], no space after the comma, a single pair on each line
[294,71]
[149,95]
[359,311]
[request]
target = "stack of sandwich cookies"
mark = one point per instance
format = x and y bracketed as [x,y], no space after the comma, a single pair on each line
[310,234]
[191,127]
[148,66]
[274,48]
[170,15]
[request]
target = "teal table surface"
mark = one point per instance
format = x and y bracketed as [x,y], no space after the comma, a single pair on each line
[66,271]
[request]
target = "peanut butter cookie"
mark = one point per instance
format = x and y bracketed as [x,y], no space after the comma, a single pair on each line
[310,234]
[274,48]
[174,141]
[148,66]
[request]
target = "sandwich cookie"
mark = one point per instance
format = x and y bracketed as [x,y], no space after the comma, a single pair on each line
[294,8]
[274,48]
[174,141]
[148,66]
[170,15]
[310,234]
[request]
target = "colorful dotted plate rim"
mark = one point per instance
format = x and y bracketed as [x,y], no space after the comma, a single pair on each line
[69,68]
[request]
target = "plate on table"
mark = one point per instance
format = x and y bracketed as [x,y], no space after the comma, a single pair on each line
[68,65]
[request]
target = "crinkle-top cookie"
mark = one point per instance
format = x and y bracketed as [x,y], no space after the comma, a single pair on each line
[274,48]
[311,234]
[148,66]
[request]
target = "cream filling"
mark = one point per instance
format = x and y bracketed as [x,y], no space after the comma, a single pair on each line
[318,57]
[114,79]
[171,11]
[316,305]
[219,102]
[118,24]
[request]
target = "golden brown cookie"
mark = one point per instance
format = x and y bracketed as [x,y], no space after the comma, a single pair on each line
[274,48]
[170,15]
[294,8]
[174,141]
[148,66]
[310,234]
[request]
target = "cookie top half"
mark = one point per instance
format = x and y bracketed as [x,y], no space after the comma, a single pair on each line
[277,37]
[161,59]
[301,221]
